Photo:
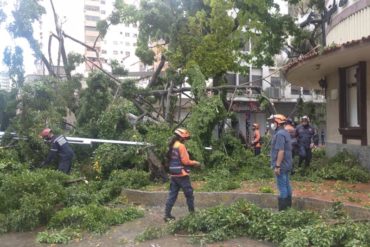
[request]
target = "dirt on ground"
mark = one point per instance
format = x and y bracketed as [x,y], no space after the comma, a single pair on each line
[124,235]
[357,194]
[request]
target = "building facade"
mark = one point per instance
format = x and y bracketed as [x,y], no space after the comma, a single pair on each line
[78,20]
[5,82]
[343,70]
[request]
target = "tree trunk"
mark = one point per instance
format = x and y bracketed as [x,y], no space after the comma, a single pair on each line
[156,167]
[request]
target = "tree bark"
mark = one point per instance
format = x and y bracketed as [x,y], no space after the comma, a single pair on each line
[154,78]
[156,167]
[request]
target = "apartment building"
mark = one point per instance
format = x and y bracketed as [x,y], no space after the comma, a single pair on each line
[5,82]
[79,19]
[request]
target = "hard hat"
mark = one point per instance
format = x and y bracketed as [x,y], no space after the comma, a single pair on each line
[256,125]
[183,133]
[279,118]
[305,118]
[45,132]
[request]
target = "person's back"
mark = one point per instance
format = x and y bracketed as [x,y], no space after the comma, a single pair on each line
[304,135]
[60,146]
[64,149]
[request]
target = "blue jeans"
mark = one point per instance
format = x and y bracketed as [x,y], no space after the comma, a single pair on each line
[283,185]
[176,184]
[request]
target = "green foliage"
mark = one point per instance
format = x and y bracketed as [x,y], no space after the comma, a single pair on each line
[117,69]
[287,228]
[131,179]
[113,122]
[108,157]
[220,180]
[8,105]
[343,166]
[150,233]
[74,59]
[28,199]
[266,189]
[93,218]
[94,101]
[14,61]
[58,237]
[205,33]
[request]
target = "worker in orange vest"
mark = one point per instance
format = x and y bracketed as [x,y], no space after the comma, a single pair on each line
[256,143]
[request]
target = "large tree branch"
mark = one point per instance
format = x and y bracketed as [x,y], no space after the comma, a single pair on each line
[188,89]
[154,78]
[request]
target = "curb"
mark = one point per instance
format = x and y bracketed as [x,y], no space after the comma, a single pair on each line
[210,199]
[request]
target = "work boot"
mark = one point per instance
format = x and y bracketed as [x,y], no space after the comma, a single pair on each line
[282,203]
[289,201]
[168,218]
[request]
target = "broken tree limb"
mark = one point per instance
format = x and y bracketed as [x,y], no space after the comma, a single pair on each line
[154,78]
[156,167]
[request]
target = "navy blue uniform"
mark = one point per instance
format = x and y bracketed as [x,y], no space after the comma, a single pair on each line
[305,135]
[60,146]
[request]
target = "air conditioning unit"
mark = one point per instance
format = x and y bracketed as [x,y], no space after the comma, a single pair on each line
[273,92]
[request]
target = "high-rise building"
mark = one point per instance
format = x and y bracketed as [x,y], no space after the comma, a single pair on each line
[5,82]
[78,19]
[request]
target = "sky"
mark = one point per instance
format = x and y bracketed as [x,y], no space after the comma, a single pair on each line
[7,40]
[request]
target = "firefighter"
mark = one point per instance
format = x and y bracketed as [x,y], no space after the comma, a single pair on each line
[58,145]
[306,137]
[281,160]
[179,168]
[256,143]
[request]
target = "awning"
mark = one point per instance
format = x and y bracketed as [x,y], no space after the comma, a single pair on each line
[309,69]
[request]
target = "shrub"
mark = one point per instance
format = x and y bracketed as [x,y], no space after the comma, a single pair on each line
[220,180]
[132,179]
[288,228]
[150,233]
[58,237]
[28,199]
[92,217]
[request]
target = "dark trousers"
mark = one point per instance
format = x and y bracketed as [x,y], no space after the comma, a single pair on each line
[257,151]
[65,165]
[305,154]
[176,184]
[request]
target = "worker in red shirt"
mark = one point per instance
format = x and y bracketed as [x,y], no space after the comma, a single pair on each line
[179,168]
[256,143]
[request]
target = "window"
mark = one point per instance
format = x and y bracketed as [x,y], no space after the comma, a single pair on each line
[90,28]
[103,52]
[102,2]
[133,44]
[257,80]
[231,79]
[115,52]
[351,88]
[352,103]
[102,12]
[134,25]
[127,53]
[294,90]
[127,25]
[306,92]
[92,8]
[90,38]
[275,82]
[115,42]
[92,18]
[127,34]
[134,35]
[127,44]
